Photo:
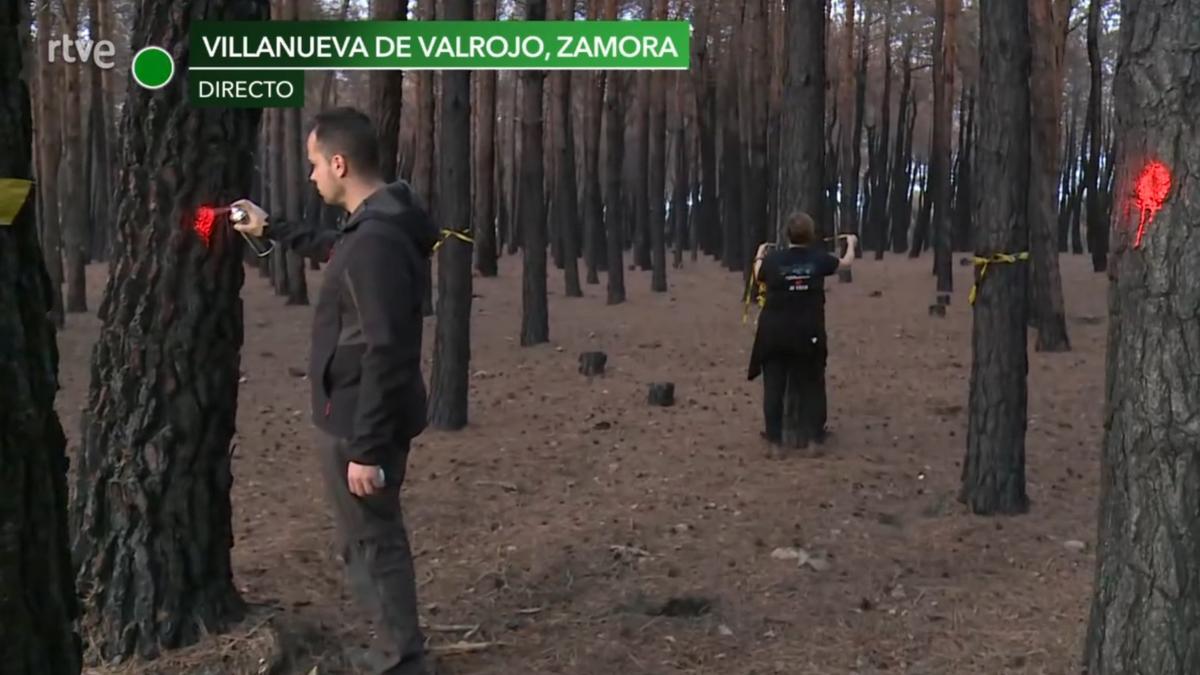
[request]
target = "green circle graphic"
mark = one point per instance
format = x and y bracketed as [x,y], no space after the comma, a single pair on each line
[153,67]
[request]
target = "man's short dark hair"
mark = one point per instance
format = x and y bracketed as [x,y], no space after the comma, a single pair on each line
[800,229]
[350,133]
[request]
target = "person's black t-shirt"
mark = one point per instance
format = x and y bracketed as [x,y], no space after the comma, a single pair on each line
[795,283]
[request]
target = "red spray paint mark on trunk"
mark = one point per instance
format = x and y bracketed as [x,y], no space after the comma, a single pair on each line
[203,223]
[1149,193]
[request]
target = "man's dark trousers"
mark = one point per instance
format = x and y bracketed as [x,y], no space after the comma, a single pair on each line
[374,545]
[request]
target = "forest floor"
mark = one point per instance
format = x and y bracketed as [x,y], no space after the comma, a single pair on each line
[585,532]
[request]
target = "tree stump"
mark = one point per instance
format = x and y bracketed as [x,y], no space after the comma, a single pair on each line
[943,299]
[592,363]
[662,394]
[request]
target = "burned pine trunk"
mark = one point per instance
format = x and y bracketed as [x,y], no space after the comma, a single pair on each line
[151,517]
[1144,605]
[452,336]
[562,179]
[993,475]
[424,163]
[656,170]
[877,216]
[1047,314]
[387,93]
[945,42]
[1097,230]
[37,590]
[535,310]
[899,204]
[484,164]
[49,147]
[613,207]
[294,156]
[802,146]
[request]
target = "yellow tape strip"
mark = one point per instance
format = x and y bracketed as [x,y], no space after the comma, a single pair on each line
[13,194]
[983,263]
[762,298]
[446,234]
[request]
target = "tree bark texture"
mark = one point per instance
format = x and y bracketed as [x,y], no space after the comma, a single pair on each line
[535,310]
[387,94]
[151,516]
[1145,613]
[484,196]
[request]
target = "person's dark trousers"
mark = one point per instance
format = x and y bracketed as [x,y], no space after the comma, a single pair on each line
[379,563]
[804,374]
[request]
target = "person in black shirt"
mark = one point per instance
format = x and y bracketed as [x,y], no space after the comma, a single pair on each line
[790,342]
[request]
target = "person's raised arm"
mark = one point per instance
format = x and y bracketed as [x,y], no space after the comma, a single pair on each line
[308,241]
[851,246]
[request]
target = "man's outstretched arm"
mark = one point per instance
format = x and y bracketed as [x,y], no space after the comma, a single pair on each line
[308,241]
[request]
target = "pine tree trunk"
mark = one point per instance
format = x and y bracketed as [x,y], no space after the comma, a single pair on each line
[802,144]
[993,476]
[878,219]
[613,215]
[963,194]
[448,400]
[535,312]
[75,210]
[297,286]
[99,167]
[1047,313]
[387,93]
[847,151]
[279,194]
[939,171]
[899,202]
[1144,609]
[424,163]
[657,168]
[485,162]
[593,215]
[37,592]
[682,185]
[1097,233]
[49,144]
[562,181]
[155,458]
[706,129]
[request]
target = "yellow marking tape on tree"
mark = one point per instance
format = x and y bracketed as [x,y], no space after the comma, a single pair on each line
[13,194]
[762,299]
[983,263]
[446,234]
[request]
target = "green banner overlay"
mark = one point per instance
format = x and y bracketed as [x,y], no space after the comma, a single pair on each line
[440,45]
[245,89]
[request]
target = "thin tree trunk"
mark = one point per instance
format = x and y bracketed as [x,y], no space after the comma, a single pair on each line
[657,168]
[1097,229]
[485,162]
[613,215]
[590,195]
[49,144]
[154,463]
[1143,612]
[939,170]
[387,93]
[1047,313]
[898,202]
[681,185]
[535,313]
[448,400]
[37,594]
[99,167]
[562,177]
[279,195]
[424,163]
[297,285]
[706,129]
[993,475]
[878,219]
[71,176]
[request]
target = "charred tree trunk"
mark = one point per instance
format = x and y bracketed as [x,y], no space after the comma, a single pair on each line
[939,169]
[1097,229]
[612,199]
[848,152]
[562,178]
[656,170]
[535,313]
[99,168]
[899,202]
[1143,613]
[49,144]
[993,476]
[640,175]
[279,194]
[423,162]
[964,187]
[752,93]
[297,286]
[1066,183]
[877,226]
[71,177]
[37,592]
[682,184]
[452,338]
[155,457]
[485,162]
[387,93]
[590,193]
[1047,313]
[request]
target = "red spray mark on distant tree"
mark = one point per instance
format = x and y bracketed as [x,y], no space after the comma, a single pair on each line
[1149,193]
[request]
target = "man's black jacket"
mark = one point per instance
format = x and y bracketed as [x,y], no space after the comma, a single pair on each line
[365,364]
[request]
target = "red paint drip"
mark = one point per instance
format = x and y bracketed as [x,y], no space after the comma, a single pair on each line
[203,223]
[1149,194]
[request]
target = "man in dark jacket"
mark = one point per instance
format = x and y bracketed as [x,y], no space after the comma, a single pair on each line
[368,394]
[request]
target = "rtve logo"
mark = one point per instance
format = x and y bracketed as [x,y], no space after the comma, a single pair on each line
[99,52]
